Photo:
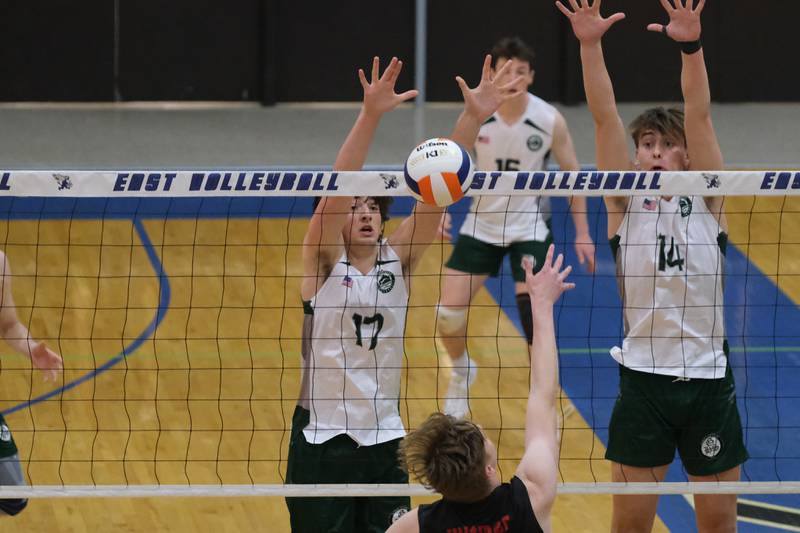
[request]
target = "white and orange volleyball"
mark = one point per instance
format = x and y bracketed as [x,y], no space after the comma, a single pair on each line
[438,172]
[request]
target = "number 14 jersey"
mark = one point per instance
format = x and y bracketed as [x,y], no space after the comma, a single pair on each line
[670,267]
[353,352]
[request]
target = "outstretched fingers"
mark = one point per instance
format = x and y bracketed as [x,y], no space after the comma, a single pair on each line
[408,95]
[527,265]
[375,69]
[561,7]
[564,273]
[463,86]
[558,262]
[659,28]
[616,17]
[548,259]
[505,68]
[510,85]
[668,7]
[363,79]
[392,71]
[699,7]
[486,70]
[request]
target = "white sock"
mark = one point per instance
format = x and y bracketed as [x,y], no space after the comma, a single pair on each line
[462,364]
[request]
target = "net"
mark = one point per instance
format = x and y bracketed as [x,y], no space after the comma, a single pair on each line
[173,297]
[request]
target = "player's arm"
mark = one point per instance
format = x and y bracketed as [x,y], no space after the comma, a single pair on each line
[611,143]
[539,465]
[17,335]
[701,140]
[417,231]
[564,152]
[323,239]
[408,523]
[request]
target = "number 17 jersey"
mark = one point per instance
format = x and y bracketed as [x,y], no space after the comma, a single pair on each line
[353,352]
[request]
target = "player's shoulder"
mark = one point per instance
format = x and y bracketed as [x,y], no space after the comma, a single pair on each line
[540,104]
[541,111]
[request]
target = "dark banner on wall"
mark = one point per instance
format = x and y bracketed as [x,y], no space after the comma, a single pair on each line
[288,51]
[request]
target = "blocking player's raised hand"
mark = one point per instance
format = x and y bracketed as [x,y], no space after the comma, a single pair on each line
[587,23]
[379,93]
[491,92]
[684,20]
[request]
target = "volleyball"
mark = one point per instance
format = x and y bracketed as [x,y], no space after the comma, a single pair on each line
[438,172]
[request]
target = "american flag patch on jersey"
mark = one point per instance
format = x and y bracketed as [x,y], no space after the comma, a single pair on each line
[483,139]
[649,204]
[347,281]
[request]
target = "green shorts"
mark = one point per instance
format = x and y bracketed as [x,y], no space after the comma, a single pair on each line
[654,415]
[7,445]
[341,460]
[474,256]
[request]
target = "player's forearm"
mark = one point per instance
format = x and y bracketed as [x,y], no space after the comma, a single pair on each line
[597,84]
[577,207]
[695,87]
[17,336]
[353,152]
[544,354]
[465,132]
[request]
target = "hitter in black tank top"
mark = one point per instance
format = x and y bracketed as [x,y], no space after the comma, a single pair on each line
[506,510]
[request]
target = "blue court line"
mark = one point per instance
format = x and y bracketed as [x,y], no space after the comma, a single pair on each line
[163,306]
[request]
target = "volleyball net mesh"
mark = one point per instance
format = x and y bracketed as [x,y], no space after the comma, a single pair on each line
[173,298]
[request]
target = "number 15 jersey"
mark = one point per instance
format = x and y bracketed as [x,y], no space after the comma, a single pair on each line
[525,146]
[353,352]
[670,267]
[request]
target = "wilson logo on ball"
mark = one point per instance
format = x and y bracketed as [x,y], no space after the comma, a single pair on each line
[438,172]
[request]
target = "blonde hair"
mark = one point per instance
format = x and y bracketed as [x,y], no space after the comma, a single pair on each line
[448,455]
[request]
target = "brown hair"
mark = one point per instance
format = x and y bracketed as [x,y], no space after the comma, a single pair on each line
[383,205]
[448,455]
[510,48]
[666,121]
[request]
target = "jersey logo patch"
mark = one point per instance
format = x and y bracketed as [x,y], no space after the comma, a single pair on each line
[686,206]
[385,281]
[535,142]
[5,433]
[483,139]
[711,446]
[398,513]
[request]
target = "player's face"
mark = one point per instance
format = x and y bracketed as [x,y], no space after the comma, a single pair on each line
[657,151]
[518,68]
[364,222]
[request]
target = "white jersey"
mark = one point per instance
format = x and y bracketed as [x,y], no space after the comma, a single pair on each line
[524,145]
[670,267]
[353,352]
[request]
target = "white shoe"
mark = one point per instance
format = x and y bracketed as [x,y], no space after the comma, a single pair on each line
[456,401]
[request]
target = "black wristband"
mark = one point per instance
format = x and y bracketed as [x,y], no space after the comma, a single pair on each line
[691,47]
